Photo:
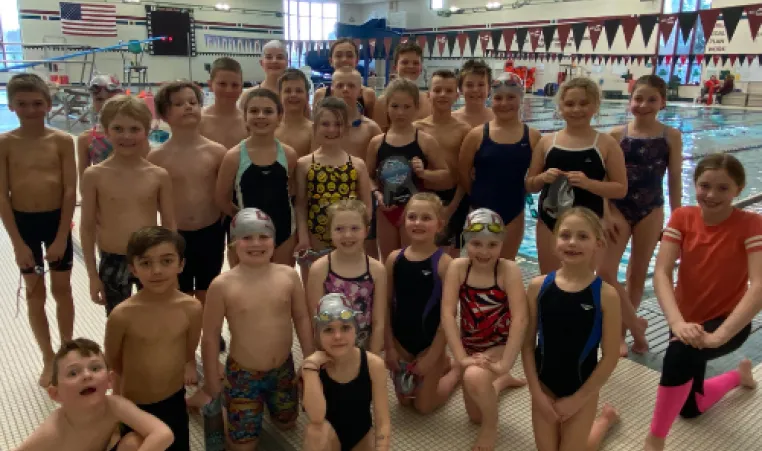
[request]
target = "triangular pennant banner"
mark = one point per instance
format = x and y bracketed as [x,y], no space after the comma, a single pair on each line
[563,35]
[628,27]
[749,60]
[700,59]
[452,38]
[731,16]
[668,59]
[587,58]
[534,38]
[404,39]
[431,41]
[708,19]
[612,28]
[619,59]
[595,32]
[473,39]
[496,35]
[724,59]
[666,25]
[548,32]
[508,35]
[716,59]
[754,13]
[683,59]
[462,43]
[647,25]
[421,40]
[521,38]
[691,58]
[661,59]
[606,58]
[442,41]
[639,59]
[387,46]
[733,59]
[759,60]
[484,38]
[687,22]
[578,31]
[372,45]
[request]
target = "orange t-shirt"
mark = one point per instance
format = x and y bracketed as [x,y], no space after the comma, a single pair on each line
[714,273]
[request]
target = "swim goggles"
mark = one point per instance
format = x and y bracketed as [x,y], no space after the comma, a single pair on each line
[507,80]
[104,82]
[480,226]
[342,315]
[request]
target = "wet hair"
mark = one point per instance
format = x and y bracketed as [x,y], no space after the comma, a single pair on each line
[28,83]
[292,74]
[146,238]
[407,47]
[333,105]
[163,99]
[446,74]
[275,44]
[128,106]
[405,86]
[592,90]
[725,161]
[261,92]
[226,64]
[354,205]
[340,41]
[652,81]
[587,215]
[474,67]
[431,198]
[83,346]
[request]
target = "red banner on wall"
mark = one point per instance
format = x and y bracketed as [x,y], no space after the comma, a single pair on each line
[595,32]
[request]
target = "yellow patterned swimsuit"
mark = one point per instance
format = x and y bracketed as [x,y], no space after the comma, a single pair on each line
[327,185]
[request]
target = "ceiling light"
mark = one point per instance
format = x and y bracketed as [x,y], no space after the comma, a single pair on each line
[222,7]
[455,9]
[494,5]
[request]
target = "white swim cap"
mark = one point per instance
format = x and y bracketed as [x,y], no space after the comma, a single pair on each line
[334,307]
[507,81]
[483,221]
[251,221]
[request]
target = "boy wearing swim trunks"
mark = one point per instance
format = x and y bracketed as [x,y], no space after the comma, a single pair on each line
[449,133]
[260,300]
[474,82]
[192,162]
[88,419]
[151,335]
[39,191]
[121,195]
[295,129]
[408,63]
[223,121]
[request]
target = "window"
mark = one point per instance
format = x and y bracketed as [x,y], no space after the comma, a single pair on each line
[437,4]
[309,21]
[9,32]
[675,46]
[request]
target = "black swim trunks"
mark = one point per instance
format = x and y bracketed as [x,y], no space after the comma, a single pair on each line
[117,279]
[174,413]
[204,257]
[38,229]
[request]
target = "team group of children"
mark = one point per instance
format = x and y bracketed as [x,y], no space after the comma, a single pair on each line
[375,199]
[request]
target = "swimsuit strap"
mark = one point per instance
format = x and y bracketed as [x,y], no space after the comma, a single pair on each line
[281,155]
[313,158]
[436,292]
[546,283]
[595,141]
[555,136]
[396,260]
[329,262]
[597,330]
[664,132]
[486,131]
[349,164]
[626,127]
[468,271]
[497,263]
[367,264]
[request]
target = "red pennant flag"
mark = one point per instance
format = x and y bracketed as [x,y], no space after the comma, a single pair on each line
[716,59]
[595,32]
[508,35]
[372,44]
[563,34]
[754,13]
[666,25]
[749,60]
[553,57]
[668,59]
[484,38]
[683,58]
[699,59]
[441,40]
[534,38]
[587,58]
[387,46]
[733,59]
[708,19]
[422,41]
[640,60]
[653,60]
[628,26]
[626,60]
[462,42]
[357,42]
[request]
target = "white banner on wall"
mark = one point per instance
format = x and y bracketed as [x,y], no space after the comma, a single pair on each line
[232,44]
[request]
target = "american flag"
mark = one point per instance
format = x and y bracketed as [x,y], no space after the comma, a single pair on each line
[87,19]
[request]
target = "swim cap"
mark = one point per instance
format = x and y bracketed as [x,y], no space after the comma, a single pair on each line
[507,81]
[334,307]
[104,81]
[483,221]
[251,221]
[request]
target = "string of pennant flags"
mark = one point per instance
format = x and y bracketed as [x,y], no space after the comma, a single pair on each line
[528,40]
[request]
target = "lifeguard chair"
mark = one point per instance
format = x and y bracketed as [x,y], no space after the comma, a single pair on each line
[134,70]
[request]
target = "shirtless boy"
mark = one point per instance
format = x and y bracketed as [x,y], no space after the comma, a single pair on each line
[449,133]
[347,85]
[39,191]
[274,62]
[151,336]
[344,54]
[474,82]
[260,369]
[89,419]
[222,121]
[192,162]
[121,195]
[295,129]
[408,63]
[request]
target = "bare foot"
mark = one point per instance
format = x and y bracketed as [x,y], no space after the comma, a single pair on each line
[623,349]
[47,375]
[191,374]
[654,443]
[747,378]
[221,370]
[507,381]
[486,440]
[198,400]
[640,344]
[610,414]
